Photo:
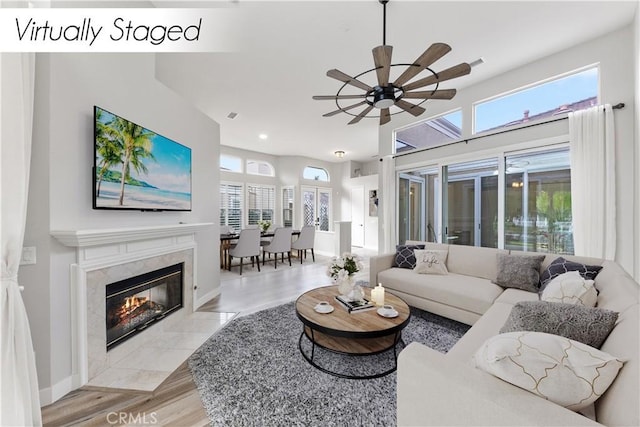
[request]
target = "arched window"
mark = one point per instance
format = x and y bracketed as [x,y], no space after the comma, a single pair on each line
[316,174]
[230,163]
[259,167]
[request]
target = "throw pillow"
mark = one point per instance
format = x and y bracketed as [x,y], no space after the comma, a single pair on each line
[519,271]
[588,325]
[561,265]
[571,288]
[405,257]
[431,261]
[558,369]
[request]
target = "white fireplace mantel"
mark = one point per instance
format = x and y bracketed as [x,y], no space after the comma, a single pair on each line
[94,237]
[138,250]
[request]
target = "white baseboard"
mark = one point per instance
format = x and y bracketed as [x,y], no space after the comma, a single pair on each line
[206,298]
[51,394]
[323,253]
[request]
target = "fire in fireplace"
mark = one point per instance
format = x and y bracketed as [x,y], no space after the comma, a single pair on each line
[135,303]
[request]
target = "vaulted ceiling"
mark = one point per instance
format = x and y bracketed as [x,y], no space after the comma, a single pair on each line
[287,48]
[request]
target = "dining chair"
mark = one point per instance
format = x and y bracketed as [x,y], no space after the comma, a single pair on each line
[248,246]
[280,244]
[305,241]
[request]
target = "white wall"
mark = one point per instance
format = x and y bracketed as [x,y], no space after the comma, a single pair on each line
[636,109]
[68,86]
[614,52]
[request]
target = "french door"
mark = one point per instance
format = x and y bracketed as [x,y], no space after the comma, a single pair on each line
[316,207]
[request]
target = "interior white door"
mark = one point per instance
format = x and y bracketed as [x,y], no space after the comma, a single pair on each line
[357,216]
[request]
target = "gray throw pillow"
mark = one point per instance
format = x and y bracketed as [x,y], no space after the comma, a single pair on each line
[405,258]
[589,325]
[519,271]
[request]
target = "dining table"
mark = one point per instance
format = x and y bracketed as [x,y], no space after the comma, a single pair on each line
[226,240]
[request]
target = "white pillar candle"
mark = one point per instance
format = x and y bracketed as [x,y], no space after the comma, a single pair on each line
[377,295]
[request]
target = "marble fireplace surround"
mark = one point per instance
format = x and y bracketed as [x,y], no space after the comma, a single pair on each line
[105,256]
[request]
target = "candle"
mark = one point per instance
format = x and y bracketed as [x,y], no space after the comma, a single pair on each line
[377,295]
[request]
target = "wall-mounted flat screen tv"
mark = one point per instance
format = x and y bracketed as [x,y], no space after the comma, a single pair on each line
[136,168]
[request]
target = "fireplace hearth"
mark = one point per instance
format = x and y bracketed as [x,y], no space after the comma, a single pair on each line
[135,303]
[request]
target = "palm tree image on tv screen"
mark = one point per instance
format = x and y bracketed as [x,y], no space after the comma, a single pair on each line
[136,168]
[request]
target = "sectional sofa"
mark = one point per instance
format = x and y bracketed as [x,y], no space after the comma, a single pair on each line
[448,389]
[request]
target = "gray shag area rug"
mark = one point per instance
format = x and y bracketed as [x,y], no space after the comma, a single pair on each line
[251,373]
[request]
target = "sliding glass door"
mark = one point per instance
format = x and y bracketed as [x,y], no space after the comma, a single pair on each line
[410,208]
[528,208]
[471,201]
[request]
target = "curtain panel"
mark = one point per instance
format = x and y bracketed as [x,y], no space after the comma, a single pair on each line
[19,398]
[593,188]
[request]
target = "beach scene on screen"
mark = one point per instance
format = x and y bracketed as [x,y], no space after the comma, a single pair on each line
[139,169]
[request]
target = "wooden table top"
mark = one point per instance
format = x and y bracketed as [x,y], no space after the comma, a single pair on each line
[341,323]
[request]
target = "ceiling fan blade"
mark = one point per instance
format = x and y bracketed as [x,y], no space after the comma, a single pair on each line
[333,113]
[448,74]
[385,117]
[359,117]
[332,97]
[382,60]
[432,94]
[345,78]
[428,57]
[410,108]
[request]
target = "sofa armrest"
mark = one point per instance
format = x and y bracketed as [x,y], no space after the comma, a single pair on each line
[377,264]
[435,390]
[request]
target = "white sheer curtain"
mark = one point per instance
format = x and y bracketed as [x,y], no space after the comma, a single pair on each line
[19,398]
[593,189]
[387,200]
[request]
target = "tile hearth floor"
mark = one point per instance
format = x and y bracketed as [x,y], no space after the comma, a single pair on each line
[144,369]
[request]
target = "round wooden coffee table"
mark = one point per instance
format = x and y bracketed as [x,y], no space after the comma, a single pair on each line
[359,334]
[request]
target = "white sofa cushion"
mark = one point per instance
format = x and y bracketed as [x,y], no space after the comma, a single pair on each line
[473,261]
[473,294]
[561,370]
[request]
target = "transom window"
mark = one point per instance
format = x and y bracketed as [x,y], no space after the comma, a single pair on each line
[573,92]
[433,132]
[316,174]
[259,167]
[230,163]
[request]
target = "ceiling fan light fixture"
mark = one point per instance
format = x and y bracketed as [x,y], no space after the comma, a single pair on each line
[388,94]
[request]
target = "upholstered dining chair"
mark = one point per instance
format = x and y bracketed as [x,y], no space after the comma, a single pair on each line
[280,244]
[305,241]
[248,246]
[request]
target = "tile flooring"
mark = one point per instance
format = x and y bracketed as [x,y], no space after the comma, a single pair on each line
[240,295]
[145,368]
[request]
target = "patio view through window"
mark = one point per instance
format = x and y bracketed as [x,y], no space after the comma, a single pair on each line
[431,133]
[537,203]
[574,92]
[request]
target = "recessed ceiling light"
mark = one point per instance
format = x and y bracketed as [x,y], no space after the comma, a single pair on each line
[339,154]
[263,136]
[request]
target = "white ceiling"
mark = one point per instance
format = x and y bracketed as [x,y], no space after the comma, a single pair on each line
[288,47]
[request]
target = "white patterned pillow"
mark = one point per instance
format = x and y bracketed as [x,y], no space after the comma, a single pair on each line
[430,261]
[571,288]
[558,369]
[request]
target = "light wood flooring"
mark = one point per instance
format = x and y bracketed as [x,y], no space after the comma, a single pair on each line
[176,402]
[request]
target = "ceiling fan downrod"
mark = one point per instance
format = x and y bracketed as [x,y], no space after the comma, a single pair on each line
[384,21]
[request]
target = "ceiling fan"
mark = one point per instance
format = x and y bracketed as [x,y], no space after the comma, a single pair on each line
[386,94]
